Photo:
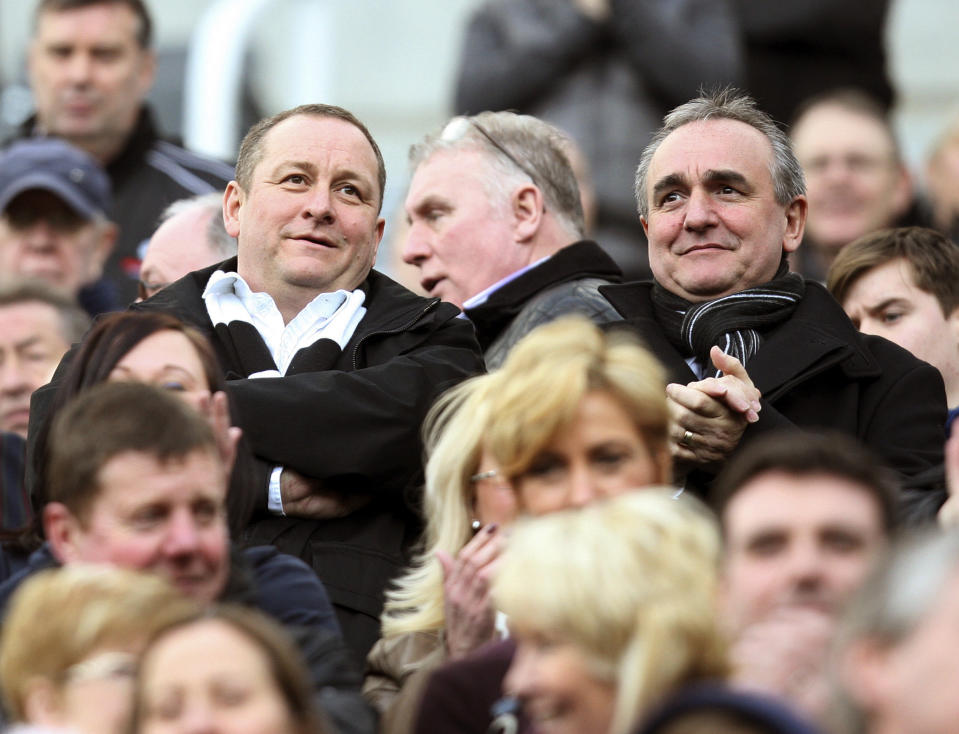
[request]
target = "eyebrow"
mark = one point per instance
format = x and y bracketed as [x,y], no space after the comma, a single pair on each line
[670,181]
[725,176]
[886,303]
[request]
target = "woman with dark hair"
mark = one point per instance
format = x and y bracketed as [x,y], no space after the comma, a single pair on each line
[158,349]
[230,668]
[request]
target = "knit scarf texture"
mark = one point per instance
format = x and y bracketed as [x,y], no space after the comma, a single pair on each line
[735,323]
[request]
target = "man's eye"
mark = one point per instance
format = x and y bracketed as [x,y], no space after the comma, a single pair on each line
[172,385]
[350,190]
[890,317]
[297,179]
[148,517]
[670,198]
[768,545]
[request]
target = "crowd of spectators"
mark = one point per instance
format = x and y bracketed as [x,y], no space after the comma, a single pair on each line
[270,490]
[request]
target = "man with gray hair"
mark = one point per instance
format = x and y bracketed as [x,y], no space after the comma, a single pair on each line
[191,236]
[749,345]
[496,227]
[896,650]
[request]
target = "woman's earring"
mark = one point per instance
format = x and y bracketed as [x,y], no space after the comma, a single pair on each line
[476,524]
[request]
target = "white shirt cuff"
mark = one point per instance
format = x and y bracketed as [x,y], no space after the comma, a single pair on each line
[275,502]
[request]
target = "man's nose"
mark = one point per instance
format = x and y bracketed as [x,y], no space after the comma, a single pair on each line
[319,205]
[806,565]
[415,248]
[40,237]
[700,213]
[13,377]
[80,68]
[182,534]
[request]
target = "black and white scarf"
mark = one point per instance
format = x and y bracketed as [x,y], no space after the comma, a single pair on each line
[735,323]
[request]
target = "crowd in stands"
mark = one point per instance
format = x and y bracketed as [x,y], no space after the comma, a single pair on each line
[270,490]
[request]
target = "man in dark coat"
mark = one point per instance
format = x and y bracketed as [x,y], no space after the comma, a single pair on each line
[496,227]
[91,66]
[749,345]
[331,366]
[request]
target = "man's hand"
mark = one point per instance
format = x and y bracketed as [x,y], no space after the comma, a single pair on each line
[786,655]
[710,416]
[307,498]
[469,612]
[216,409]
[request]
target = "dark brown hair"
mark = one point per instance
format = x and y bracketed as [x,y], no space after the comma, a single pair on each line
[802,454]
[144,33]
[251,149]
[933,257]
[110,419]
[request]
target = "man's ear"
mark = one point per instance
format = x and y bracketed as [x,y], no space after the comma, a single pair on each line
[232,201]
[528,211]
[147,72]
[63,532]
[795,223]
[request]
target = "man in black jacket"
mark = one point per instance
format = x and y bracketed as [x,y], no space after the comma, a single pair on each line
[749,345]
[138,480]
[496,227]
[91,66]
[331,366]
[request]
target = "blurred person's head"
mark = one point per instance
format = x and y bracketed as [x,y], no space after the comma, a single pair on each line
[942,180]
[802,517]
[612,607]
[719,709]
[71,638]
[895,653]
[573,415]
[305,204]
[54,204]
[188,666]
[903,284]
[720,196]
[191,236]
[134,479]
[490,195]
[91,64]
[855,177]
[37,326]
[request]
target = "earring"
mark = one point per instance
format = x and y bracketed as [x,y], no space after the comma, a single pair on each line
[476,524]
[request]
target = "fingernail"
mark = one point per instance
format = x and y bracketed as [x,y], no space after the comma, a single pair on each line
[757,406]
[491,528]
[751,416]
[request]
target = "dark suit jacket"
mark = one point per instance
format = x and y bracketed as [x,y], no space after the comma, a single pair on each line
[350,418]
[816,371]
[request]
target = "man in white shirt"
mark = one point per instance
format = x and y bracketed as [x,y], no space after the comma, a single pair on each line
[331,366]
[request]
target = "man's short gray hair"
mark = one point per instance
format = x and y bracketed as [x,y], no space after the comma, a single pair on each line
[728,104]
[533,149]
[220,242]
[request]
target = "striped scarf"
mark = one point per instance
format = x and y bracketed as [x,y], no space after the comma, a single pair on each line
[735,323]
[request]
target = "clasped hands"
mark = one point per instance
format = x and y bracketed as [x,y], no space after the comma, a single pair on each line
[710,416]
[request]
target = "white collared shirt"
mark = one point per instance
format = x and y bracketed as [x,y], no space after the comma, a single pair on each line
[328,316]
[332,316]
[484,294]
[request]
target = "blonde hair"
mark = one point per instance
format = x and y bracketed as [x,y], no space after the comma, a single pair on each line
[629,581]
[59,617]
[514,412]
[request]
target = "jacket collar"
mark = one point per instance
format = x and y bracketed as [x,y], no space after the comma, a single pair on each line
[583,259]
[817,337]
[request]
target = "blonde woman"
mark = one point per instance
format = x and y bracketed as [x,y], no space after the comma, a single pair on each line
[70,643]
[612,608]
[573,414]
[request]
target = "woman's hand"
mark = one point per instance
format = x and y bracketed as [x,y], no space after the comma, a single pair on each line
[470,618]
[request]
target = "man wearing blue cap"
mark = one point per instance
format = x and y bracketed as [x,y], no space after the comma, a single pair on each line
[54,207]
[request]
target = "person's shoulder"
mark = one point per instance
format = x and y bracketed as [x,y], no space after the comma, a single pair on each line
[386,295]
